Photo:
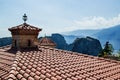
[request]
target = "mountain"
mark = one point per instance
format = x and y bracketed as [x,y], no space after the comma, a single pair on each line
[70,38]
[72,35]
[87,45]
[59,40]
[110,34]
[84,32]
[5,41]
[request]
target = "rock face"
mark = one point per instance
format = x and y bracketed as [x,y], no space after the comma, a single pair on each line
[5,41]
[87,45]
[60,41]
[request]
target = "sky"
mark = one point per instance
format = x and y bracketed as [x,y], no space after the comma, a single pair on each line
[57,16]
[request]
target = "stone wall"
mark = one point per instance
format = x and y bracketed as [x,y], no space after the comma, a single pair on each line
[22,41]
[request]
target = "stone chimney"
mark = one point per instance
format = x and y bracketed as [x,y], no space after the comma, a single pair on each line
[24,35]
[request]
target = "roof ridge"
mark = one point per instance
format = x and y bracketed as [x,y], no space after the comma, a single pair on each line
[24,26]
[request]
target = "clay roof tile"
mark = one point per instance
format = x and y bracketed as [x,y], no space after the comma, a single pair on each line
[24,26]
[55,64]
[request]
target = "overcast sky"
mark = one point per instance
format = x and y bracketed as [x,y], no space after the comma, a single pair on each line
[59,15]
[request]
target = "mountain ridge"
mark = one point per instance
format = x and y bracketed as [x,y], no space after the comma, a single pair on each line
[108,34]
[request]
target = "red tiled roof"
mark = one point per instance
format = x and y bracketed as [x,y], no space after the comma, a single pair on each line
[46,42]
[54,64]
[6,60]
[25,26]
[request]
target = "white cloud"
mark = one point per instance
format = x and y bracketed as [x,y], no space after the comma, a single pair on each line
[94,22]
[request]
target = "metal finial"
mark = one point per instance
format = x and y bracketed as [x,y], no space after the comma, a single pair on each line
[24,18]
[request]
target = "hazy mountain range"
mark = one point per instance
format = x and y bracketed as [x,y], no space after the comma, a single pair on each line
[111,34]
[72,35]
[84,32]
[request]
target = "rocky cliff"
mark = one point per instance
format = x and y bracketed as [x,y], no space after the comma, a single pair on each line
[60,41]
[87,45]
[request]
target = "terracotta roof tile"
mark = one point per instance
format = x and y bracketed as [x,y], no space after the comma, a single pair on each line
[46,42]
[30,78]
[36,77]
[24,26]
[6,60]
[55,64]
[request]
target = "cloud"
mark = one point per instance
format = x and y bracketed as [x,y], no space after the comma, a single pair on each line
[94,22]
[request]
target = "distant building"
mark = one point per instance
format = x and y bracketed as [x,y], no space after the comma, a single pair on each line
[47,42]
[24,35]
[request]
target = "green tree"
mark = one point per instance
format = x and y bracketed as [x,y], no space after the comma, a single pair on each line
[108,50]
[119,53]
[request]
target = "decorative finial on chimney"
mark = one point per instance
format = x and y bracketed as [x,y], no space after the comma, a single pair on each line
[24,18]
